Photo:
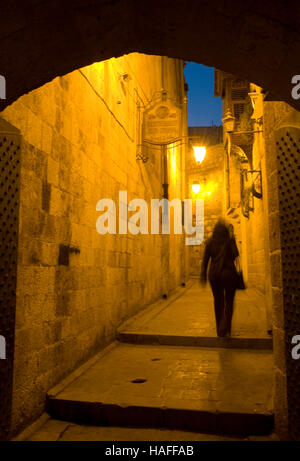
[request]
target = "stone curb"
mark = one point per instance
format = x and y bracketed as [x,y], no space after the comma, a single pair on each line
[35,426]
[134,337]
[106,414]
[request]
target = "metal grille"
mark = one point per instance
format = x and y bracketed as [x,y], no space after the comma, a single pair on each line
[288,150]
[9,212]
[238,83]
[238,109]
[240,93]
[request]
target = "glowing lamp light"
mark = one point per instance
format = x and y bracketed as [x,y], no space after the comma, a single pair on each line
[196,187]
[199,152]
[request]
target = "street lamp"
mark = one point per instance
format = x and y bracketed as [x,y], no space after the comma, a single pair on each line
[196,187]
[228,121]
[199,152]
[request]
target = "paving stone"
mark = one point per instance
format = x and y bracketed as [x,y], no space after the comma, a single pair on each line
[187,319]
[201,389]
[55,430]
[221,389]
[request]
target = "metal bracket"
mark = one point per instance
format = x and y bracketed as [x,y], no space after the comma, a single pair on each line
[142,157]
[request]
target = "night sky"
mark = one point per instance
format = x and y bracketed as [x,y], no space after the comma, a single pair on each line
[203,108]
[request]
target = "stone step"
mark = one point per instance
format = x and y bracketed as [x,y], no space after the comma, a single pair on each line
[187,318]
[221,391]
[63,431]
[133,337]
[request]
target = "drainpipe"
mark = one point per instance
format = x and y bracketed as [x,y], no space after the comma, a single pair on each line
[165,171]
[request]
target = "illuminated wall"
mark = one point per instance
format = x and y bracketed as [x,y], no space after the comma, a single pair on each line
[210,176]
[80,134]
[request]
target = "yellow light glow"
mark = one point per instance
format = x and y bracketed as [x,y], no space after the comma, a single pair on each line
[199,152]
[208,189]
[173,163]
[196,188]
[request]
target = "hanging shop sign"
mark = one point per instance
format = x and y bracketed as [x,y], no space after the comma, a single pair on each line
[162,123]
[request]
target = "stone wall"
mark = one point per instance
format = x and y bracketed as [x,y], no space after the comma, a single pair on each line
[40,40]
[275,114]
[260,238]
[79,142]
[250,216]
[255,228]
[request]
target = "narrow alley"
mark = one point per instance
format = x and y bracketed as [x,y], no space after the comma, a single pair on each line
[149,220]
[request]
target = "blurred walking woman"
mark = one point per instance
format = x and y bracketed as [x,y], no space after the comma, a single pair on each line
[221,250]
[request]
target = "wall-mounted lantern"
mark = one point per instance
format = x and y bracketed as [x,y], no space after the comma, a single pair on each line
[196,187]
[228,121]
[251,186]
[206,189]
[253,178]
[199,152]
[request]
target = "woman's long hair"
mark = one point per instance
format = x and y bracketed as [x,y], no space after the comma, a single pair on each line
[220,238]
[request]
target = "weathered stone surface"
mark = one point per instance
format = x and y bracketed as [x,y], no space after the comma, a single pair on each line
[260,44]
[199,389]
[278,311]
[280,405]
[76,286]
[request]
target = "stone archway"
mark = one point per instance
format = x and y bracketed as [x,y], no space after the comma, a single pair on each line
[258,41]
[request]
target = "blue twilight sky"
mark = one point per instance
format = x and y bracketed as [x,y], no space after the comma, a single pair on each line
[203,108]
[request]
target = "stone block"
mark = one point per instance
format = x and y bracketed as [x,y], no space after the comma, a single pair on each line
[48,228]
[28,156]
[52,332]
[66,279]
[274,231]
[63,307]
[41,165]
[273,192]
[279,349]
[75,147]
[33,134]
[280,406]
[49,254]
[35,280]
[52,171]
[47,138]
[276,269]
[278,308]
[62,231]
[31,190]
